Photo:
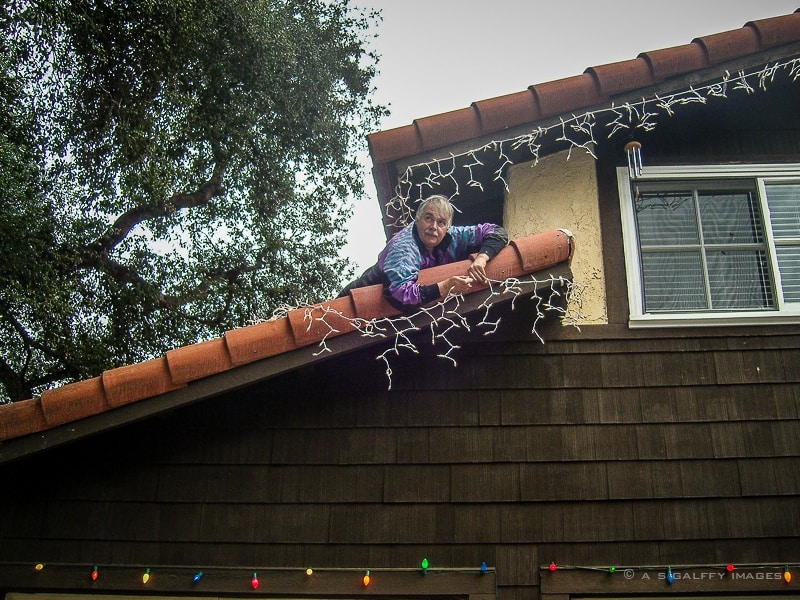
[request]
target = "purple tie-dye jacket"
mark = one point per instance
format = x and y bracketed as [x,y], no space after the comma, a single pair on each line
[404,256]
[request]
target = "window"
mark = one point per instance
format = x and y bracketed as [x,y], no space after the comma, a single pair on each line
[712,245]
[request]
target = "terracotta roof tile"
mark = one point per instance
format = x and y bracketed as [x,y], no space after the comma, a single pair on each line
[777,31]
[300,327]
[447,128]
[497,113]
[620,77]
[72,402]
[370,303]
[311,324]
[262,340]
[677,60]
[136,382]
[21,418]
[401,141]
[537,251]
[199,360]
[572,94]
[722,47]
[566,95]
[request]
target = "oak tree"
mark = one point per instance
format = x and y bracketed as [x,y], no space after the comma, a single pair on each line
[170,170]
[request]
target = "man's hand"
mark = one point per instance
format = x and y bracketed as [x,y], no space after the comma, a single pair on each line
[457,284]
[477,270]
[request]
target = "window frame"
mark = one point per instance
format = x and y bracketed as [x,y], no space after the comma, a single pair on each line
[763,174]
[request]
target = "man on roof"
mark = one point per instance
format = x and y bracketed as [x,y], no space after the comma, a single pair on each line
[429,241]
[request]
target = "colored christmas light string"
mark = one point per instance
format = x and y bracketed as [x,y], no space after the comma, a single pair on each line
[202,577]
[579,132]
[668,570]
[194,576]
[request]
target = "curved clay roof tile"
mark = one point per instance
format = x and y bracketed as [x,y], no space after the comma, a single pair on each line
[508,111]
[138,381]
[565,95]
[75,401]
[620,77]
[776,31]
[448,128]
[385,146]
[678,60]
[21,418]
[722,47]
[199,360]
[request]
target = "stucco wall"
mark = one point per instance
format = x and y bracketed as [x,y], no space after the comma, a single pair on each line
[560,193]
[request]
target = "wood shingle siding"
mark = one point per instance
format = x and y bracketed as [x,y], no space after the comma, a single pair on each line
[637,451]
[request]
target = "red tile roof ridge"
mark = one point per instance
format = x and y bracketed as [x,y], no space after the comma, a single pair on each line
[596,85]
[298,328]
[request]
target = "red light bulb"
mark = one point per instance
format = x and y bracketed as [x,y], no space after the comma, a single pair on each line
[254,581]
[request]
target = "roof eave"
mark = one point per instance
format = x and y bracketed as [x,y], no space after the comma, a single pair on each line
[656,72]
[243,376]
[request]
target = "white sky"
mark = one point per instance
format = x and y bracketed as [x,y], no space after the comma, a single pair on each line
[441,55]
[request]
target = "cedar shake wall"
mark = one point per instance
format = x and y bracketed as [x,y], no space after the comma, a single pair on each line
[583,450]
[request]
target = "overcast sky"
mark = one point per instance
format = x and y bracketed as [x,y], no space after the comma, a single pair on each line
[460,51]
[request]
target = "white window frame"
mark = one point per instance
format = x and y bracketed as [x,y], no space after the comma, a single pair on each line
[784,313]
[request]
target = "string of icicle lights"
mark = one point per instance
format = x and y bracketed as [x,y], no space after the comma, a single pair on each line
[580,131]
[444,318]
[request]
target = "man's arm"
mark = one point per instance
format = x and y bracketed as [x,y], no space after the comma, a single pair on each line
[491,245]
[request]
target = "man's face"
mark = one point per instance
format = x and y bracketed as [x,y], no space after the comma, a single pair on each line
[431,227]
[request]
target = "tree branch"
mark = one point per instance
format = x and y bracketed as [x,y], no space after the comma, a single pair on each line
[18,387]
[124,273]
[117,232]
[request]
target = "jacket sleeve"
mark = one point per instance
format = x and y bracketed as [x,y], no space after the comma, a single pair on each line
[400,266]
[493,242]
[485,237]
[402,289]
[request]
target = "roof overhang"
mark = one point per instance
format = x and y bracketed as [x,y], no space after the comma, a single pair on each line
[542,283]
[438,138]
